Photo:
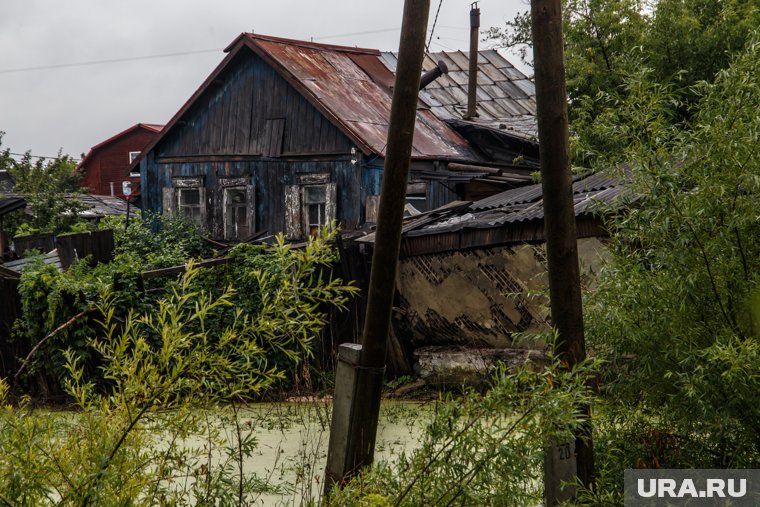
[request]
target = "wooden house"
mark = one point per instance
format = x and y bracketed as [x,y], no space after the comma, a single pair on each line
[287,135]
[107,164]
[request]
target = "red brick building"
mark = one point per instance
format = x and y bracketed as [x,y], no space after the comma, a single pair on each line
[106,165]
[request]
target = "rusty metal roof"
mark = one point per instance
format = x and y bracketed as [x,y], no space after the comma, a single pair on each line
[506,98]
[349,86]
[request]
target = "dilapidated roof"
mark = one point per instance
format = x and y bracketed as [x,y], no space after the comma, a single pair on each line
[102,206]
[506,98]
[356,93]
[512,216]
[353,88]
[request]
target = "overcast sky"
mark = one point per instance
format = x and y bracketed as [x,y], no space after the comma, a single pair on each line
[75,107]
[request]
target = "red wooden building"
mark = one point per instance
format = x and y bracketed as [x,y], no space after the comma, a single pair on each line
[106,165]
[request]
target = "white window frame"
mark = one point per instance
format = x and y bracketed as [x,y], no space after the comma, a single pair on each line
[172,198]
[226,184]
[132,156]
[297,224]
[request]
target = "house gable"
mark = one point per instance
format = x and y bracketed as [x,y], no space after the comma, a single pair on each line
[248,109]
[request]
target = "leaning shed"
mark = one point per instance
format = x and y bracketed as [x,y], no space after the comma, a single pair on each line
[287,135]
[487,257]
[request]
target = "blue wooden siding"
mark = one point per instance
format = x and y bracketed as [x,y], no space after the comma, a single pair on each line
[231,117]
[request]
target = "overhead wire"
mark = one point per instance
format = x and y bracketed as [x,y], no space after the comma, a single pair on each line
[111,60]
[435,21]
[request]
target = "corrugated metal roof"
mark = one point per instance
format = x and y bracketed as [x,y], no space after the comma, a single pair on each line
[505,96]
[11,204]
[102,205]
[597,191]
[604,191]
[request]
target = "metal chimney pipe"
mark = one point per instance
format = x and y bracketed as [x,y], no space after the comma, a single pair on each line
[472,82]
[428,77]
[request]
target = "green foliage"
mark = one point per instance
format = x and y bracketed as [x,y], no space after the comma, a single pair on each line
[46,186]
[483,449]
[159,241]
[163,374]
[675,312]
[680,43]
[292,287]
[108,454]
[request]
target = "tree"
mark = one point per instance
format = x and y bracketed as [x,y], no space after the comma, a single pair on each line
[681,42]
[676,314]
[45,185]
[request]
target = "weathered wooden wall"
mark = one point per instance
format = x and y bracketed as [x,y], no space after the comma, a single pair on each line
[235,117]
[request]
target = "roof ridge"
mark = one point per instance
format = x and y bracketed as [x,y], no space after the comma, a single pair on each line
[302,43]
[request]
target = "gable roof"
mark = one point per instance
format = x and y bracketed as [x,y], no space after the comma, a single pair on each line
[352,87]
[150,127]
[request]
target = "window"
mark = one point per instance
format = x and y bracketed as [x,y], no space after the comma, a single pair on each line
[236,223]
[189,204]
[416,198]
[309,206]
[314,207]
[187,197]
[132,156]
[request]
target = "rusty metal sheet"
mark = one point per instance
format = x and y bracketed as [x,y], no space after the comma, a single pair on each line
[356,100]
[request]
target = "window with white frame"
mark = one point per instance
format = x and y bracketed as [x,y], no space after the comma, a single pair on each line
[315,207]
[132,157]
[189,204]
[186,197]
[309,205]
[238,208]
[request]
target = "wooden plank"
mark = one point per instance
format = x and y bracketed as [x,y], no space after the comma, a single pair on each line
[173,270]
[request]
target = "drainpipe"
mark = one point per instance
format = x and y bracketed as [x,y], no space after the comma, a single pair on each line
[472,82]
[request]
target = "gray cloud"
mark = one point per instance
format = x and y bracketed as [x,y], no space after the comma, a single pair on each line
[75,108]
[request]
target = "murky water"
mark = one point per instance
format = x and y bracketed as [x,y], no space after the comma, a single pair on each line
[291,444]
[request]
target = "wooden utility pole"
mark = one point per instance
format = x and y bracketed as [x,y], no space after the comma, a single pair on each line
[359,377]
[559,215]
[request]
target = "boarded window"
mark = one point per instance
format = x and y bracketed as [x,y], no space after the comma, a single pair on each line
[274,130]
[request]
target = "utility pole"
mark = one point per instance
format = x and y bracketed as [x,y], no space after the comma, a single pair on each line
[359,375]
[559,215]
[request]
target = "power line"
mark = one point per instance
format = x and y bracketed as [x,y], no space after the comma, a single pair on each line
[367,32]
[41,156]
[112,60]
[427,47]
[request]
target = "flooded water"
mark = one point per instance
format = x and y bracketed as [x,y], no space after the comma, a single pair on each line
[291,444]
